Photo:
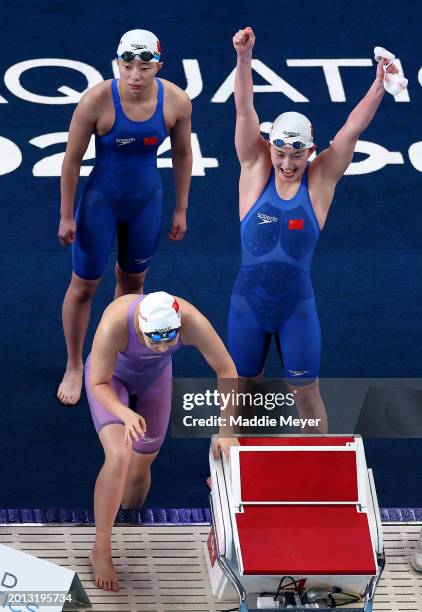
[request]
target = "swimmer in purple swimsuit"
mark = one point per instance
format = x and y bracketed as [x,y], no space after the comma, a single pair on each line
[130,365]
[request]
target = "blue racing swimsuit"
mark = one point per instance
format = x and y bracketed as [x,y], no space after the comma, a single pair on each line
[273,292]
[123,195]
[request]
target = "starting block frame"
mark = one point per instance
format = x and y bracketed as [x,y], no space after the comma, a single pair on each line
[240,498]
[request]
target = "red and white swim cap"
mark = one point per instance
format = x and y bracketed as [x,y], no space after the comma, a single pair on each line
[140,40]
[159,312]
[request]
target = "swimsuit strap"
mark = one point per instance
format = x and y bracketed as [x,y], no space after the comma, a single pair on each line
[160,94]
[305,176]
[131,325]
[116,96]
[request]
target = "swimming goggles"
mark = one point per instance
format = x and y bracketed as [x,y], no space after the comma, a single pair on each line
[145,56]
[166,336]
[297,144]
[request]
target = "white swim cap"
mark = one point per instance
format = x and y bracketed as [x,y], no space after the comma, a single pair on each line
[139,43]
[292,129]
[159,312]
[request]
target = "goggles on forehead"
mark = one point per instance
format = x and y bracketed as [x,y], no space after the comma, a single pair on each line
[166,336]
[145,56]
[297,144]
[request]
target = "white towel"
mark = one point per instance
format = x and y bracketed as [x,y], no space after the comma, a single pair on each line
[393,83]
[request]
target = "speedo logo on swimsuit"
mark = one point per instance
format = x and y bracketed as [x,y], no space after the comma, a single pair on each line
[266,219]
[141,261]
[124,141]
[147,440]
[298,372]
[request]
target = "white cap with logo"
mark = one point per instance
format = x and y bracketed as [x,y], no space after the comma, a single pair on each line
[291,128]
[159,312]
[138,41]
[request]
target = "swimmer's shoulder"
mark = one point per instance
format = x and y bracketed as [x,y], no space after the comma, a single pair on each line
[114,323]
[191,316]
[97,97]
[176,97]
[186,308]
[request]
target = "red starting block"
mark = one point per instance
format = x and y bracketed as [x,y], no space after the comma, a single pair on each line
[296,524]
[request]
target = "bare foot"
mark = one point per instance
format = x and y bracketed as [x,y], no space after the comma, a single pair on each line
[105,576]
[69,391]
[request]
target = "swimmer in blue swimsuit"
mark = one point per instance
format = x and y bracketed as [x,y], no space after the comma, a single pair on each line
[130,117]
[283,205]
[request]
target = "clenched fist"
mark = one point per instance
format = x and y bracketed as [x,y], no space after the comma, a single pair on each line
[244,40]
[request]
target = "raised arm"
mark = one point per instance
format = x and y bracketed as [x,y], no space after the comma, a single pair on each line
[332,163]
[248,140]
[81,129]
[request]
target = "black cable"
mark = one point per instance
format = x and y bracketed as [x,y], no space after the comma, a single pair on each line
[296,590]
[332,600]
[353,599]
[339,591]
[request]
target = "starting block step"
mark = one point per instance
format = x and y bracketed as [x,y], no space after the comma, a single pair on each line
[303,540]
[296,507]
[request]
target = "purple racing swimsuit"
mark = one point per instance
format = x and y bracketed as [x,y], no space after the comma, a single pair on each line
[143,379]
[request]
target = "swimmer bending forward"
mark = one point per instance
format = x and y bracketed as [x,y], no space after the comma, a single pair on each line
[128,379]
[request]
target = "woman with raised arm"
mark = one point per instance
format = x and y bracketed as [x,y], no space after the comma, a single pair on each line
[284,200]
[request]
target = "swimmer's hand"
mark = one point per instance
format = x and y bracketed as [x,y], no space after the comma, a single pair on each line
[178,227]
[244,40]
[223,444]
[67,231]
[391,69]
[135,427]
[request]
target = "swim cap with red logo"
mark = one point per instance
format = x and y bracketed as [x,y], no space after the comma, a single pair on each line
[159,312]
[137,41]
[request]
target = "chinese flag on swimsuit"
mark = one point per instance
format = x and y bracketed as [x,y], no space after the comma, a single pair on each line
[150,140]
[296,224]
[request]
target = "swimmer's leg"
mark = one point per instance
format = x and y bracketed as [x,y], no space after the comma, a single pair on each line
[95,230]
[108,495]
[248,345]
[138,480]
[137,242]
[76,312]
[247,342]
[110,481]
[127,282]
[300,345]
[154,404]
[309,404]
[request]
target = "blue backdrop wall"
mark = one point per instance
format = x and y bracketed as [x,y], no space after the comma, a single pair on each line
[367,268]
